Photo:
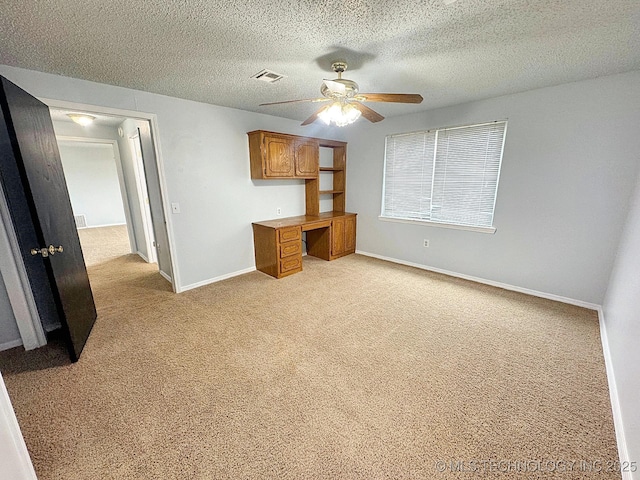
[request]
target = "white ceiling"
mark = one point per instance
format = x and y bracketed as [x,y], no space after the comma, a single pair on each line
[206,50]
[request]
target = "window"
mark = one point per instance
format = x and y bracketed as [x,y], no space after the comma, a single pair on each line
[447,176]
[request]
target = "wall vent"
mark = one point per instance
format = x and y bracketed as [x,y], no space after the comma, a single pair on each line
[81,220]
[268,76]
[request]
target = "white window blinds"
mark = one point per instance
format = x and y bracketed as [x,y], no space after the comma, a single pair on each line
[448,175]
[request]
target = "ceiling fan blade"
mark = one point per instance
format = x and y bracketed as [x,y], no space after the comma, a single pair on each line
[390,97]
[314,117]
[335,87]
[368,113]
[296,101]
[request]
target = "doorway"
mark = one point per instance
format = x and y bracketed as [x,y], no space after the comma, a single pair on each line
[98,197]
[112,154]
[104,165]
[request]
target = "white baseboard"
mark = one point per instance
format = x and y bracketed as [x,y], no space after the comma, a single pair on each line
[11,344]
[100,226]
[141,255]
[506,286]
[165,276]
[623,453]
[216,279]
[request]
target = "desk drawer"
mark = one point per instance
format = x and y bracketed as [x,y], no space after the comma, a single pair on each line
[316,225]
[290,265]
[290,248]
[289,234]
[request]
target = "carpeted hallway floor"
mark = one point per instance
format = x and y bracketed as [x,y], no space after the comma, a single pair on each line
[356,368]
[103,243]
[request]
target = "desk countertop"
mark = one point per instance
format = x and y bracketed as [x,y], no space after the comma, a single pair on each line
[301,220]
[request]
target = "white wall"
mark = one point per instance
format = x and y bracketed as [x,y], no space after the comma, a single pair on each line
[92,180]
[205,154]
[570,160]
[621,311]
[72,129]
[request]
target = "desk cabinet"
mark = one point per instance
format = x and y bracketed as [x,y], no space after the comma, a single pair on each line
[277,155]
[343,236]
[278,243]
[278,251]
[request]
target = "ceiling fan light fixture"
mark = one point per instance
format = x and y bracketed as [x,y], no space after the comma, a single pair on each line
[81,118]
[340,113]
[344,97]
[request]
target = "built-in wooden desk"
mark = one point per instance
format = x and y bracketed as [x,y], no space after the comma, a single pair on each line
[278,243]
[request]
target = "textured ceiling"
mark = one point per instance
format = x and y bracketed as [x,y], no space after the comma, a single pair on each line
[206,50]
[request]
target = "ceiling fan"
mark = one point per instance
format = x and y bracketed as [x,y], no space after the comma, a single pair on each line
[346,106]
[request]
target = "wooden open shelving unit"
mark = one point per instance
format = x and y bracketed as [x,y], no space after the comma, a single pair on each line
[338,170]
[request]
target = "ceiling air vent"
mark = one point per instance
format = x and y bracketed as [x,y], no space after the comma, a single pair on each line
[267,76]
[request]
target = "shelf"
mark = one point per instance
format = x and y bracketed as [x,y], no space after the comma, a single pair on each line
[331,169]
[330,192]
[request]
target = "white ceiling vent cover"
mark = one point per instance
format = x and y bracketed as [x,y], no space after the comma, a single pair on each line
[267,76]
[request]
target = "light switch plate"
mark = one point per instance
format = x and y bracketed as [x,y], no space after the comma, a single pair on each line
[175,208]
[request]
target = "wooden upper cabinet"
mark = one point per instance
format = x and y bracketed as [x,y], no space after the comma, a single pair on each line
[274,155]
[307,158]
[278,156]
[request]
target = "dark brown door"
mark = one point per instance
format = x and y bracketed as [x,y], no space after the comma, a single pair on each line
[36,193]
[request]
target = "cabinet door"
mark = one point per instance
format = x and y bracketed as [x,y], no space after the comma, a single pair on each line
[307,158]
[350,234]
[337,236]
[278,161]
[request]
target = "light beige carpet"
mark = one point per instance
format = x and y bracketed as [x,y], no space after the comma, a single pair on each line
[104,243]
[354,369]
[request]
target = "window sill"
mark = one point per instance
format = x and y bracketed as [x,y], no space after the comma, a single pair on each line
[437,224]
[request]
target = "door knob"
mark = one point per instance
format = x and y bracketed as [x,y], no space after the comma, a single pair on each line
[53,250]
[45,252]
[40,251]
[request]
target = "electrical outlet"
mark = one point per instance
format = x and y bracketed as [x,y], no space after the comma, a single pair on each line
[278,211]
[426,243]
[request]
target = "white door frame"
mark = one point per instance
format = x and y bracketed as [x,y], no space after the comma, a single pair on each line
[143,197]
[123,190]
